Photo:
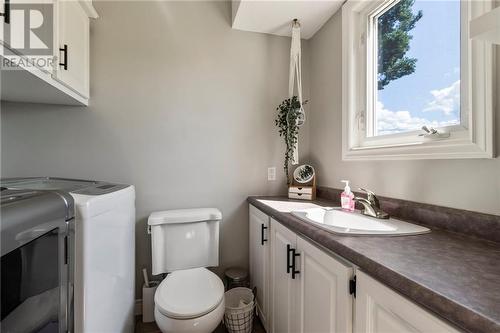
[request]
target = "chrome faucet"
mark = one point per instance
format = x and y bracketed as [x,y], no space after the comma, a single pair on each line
[371,205]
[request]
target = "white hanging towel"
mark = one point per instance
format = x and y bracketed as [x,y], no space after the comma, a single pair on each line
[296,71]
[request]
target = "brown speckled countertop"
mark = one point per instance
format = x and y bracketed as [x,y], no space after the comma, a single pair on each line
[450,274]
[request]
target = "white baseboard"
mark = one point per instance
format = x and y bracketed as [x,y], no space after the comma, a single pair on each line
[138,307]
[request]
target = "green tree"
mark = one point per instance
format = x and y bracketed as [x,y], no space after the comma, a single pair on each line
[394,37]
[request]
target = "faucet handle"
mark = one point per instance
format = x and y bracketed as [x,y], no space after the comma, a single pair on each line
[370,210]
[372,198]
[365,202]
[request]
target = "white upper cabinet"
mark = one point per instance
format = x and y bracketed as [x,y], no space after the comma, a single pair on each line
[26,33]
[381,310]
[260,261]
[46,43]
[73,46]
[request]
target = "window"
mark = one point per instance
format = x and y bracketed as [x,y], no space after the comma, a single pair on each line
[428,69]
[409,64]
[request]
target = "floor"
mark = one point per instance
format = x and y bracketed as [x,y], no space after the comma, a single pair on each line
[141,327]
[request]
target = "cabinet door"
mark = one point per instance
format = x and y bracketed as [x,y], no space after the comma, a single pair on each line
[27,29]
[324,303]
[73,37]
[11,34]
[382,310]
[283,286]
[259,261]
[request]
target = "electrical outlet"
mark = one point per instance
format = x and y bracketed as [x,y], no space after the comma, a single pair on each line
[271,173]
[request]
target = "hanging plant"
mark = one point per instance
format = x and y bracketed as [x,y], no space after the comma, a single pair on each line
[288,113]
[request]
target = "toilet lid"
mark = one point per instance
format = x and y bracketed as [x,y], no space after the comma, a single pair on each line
[189,293]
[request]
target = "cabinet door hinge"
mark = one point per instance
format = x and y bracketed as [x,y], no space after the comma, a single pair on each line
[352,286]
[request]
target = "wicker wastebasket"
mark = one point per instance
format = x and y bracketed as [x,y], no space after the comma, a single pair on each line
[240,305]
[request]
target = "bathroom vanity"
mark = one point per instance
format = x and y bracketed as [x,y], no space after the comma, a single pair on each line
[311,280]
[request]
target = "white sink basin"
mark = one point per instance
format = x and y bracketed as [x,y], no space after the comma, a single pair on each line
[346,223]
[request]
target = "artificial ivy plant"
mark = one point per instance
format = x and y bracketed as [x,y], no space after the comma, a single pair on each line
[286,121]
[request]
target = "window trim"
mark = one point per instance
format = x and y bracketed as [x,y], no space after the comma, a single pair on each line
[473,138]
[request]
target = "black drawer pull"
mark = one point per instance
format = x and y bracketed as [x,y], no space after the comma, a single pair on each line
[6,12]
[65,63]
[288,264]
[294,270]
[262,237]
[66,254]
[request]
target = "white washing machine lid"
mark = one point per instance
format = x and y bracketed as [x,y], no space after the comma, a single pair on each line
[189,293]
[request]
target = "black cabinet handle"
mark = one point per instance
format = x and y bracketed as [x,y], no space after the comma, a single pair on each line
[262,237]
[66,254]
[6,12]
[65,63]
[294,270]
[288,264]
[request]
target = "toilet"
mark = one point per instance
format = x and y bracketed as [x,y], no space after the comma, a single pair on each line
[184,242]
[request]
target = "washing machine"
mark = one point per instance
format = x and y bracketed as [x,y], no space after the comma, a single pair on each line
[104,252]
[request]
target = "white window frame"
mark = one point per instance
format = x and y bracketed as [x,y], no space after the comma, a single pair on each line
[473,138]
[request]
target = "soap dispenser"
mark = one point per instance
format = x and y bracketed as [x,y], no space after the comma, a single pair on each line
[347,198]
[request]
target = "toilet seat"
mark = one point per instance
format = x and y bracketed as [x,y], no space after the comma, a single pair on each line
[189,293]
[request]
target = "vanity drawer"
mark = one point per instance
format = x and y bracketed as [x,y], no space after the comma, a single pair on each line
[300,190]
[301,196]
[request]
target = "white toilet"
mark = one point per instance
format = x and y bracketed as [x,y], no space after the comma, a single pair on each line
[184,242]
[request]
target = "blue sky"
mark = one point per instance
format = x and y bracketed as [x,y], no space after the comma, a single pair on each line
[431,94]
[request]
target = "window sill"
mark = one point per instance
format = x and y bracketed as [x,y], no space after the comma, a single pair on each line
[418,151]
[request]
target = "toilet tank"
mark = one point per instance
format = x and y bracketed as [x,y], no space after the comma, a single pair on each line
[184,238]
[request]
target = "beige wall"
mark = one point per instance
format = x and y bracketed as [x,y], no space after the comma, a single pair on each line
[182,107]
[466,184]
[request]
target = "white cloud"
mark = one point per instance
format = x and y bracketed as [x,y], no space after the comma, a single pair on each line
[446,100]
[390,122]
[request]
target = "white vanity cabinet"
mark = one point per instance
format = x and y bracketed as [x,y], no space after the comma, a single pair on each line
[260,258]
[304,288]
[310,289]
[382,310]
[324,299]
[283,287]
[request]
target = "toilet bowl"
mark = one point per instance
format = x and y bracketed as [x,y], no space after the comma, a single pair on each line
[190,300]
[184,242]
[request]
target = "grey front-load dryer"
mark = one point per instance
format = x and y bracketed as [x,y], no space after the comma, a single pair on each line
[104,250]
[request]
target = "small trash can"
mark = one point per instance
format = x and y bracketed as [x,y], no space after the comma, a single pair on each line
[236,277]
[238,317]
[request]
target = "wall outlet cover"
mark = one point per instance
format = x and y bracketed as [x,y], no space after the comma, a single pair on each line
[271,173]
